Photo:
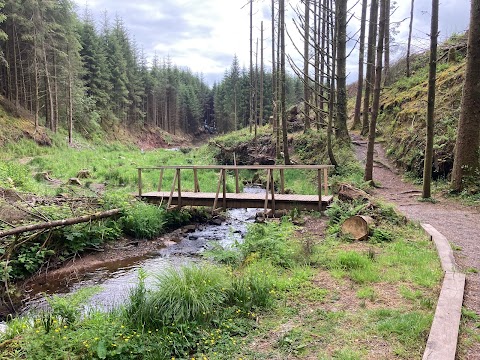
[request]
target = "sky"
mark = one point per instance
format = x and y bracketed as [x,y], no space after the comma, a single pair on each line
[204,35]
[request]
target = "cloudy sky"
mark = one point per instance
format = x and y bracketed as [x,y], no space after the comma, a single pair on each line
[204,35]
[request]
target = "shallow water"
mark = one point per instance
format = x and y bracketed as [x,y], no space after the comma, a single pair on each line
[116,279]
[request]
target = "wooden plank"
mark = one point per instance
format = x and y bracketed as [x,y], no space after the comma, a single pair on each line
[240,167]
[444,249]
[443,337]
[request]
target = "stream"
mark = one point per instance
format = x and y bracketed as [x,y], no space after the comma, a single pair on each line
[118,278]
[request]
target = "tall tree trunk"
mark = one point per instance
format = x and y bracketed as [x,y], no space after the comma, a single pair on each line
[279,86]
[323,60]
[261,75]
[370,73]
[282,80]
[432,77]
[409,42]
[274,81]
[332,26]
[70,100]
[386,68]
[361,60]
[341,131]
[466,164]
[49,114]
[306,81]
[35,99]
[376,93]
[316,38]
[251,66]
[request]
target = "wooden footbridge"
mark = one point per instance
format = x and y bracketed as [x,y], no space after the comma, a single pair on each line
[271,199]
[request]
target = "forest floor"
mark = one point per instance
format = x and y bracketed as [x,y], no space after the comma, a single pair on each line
[460,224]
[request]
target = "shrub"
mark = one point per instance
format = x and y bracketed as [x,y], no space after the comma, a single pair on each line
[271,241]
[143,220]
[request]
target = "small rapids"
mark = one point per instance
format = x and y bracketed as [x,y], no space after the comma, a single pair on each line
[116,279]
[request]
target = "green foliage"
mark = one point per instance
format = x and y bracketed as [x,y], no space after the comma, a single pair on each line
[409,328]
[192,293]
[67,309]
[143,220]
[381,235]
[271,241]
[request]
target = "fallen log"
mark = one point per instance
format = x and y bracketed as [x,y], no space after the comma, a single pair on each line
[358,227]
[58,223]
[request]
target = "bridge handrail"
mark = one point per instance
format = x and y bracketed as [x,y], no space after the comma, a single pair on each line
[222,178]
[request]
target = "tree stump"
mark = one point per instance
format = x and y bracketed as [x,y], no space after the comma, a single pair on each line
[74,181]
[83,174]
[357,226]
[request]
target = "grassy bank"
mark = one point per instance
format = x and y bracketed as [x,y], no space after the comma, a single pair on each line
[285,292]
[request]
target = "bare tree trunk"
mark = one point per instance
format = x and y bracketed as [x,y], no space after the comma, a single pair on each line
[466,164]
[409,43]
[274,79]
[282,80]
[70,100]
[376,93]
[306,48]
[370,73]
[261,75]
[323,60]
[251,65]
[316,37]
[332,24]
[432,77]
[279,85]
[35,60]
[386,68]
[341,131]
[361,60]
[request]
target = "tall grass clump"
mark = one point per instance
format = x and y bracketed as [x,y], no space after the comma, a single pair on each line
[271,241]
[143,220]
[190,294]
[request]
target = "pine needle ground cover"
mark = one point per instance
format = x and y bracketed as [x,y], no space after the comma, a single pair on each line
[286,292]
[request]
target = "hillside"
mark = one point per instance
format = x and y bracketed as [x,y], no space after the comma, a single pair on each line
[404,105]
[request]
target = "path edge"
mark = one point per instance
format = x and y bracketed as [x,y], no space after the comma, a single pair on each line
[443,337]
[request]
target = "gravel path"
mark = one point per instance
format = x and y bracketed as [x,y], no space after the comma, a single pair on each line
[460,224]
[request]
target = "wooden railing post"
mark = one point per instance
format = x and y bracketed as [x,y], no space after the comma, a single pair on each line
[282,181]
[218,191]
[273,192]
[325,181]
[319,175]
[172,190]
[139,182]
[196,186]
[160,180]
[267,189]
[179,188]
[224,189]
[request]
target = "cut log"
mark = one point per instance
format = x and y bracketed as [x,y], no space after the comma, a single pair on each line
[58,223]
[358,227]
[349,193]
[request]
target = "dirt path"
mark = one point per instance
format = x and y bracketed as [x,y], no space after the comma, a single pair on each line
[460,224]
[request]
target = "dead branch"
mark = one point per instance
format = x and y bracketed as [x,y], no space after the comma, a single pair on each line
[58,223]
